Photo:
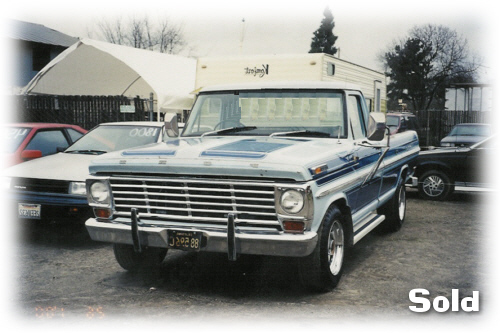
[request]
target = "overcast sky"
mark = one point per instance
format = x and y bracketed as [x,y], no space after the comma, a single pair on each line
[214,28]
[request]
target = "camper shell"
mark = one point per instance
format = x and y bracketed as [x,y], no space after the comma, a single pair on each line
[294,67]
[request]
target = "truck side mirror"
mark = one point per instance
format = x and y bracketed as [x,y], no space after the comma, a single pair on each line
[376,126]
[171,125]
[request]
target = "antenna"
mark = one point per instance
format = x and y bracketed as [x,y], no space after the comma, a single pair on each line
[242,34]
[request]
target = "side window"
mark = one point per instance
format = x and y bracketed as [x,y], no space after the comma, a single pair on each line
[48,142]
[73,134]
[356,116]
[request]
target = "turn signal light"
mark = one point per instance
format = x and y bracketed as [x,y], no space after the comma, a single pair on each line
[293,226]
[103,213]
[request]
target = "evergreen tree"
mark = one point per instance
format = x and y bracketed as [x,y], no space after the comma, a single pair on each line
[324,39]
[422,66]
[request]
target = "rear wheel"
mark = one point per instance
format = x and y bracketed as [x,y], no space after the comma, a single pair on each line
[394,210]
[133,261]
[322,269]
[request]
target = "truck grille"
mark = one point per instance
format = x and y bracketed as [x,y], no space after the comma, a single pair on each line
[195,202]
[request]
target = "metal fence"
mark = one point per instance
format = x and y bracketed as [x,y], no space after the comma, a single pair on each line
[84,111]
[436,124]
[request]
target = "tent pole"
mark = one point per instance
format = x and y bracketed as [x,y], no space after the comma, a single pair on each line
[151,106]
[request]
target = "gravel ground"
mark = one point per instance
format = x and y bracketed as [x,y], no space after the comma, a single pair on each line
[63,277]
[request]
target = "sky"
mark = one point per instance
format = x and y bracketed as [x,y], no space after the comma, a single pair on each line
[214,28]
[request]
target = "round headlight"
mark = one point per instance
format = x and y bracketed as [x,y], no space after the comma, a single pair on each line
[292,201]
[99,192]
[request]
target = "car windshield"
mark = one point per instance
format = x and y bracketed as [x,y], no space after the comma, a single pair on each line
[272,112]
[12,137]
[470,130]
[392,121]
[106,138]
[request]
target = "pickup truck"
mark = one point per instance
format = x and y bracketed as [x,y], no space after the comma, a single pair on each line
[297,169]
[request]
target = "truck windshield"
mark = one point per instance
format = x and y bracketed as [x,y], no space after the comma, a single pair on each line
[272,112]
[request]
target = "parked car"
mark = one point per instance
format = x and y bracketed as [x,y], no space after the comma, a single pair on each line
[440,171]
[52,188]
[26,141]
[464,135]
[399,122]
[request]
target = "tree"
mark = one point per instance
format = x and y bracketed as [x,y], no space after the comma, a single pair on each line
[324,39]
[423,65]
[164,37]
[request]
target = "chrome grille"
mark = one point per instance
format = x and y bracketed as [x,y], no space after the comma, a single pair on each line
[201,202]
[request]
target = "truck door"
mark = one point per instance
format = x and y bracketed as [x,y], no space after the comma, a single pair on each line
[366,156]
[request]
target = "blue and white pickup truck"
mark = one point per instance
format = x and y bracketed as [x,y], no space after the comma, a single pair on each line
[298,169]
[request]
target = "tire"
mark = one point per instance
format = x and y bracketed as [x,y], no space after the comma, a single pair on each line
[321,270]
[434,185]
[132,261]
[394,210]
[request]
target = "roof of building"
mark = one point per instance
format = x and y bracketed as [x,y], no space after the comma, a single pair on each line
[38,33]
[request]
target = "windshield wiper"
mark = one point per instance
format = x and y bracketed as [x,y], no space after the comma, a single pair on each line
[230,130]
[86,151]
[302,133]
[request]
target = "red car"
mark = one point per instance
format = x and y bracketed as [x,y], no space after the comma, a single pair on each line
[26,141]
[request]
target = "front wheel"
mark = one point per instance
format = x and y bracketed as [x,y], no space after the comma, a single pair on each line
[322,269]
[132,261]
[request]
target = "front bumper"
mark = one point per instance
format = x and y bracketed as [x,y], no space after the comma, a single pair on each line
[215,240]
[55,207]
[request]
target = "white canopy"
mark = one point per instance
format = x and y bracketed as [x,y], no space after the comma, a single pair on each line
[92,67]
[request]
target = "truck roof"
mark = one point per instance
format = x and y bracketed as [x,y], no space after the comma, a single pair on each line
[282,85]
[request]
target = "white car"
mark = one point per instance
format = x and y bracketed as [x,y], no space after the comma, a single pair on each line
[52,188]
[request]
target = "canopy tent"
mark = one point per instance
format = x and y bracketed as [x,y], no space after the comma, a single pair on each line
[92,67]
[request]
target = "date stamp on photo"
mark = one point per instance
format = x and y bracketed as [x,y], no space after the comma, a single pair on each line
[442,303]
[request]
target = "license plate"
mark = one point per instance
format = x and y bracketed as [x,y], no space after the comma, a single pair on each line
[184,240]
[29,211]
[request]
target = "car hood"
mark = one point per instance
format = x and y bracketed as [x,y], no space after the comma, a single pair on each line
[290,158]
[61,166]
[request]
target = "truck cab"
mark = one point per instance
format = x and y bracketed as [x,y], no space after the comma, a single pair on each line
[298,169]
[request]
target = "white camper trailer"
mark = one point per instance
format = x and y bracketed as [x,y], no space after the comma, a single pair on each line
[304,67]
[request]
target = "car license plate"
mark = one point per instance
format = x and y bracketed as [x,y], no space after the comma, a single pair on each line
[29,211]
[184,240]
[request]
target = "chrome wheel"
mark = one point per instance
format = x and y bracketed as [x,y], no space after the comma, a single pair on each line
[336,247]
[433,186]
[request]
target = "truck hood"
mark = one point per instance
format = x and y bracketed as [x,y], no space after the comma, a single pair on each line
[61,166]
[267,157]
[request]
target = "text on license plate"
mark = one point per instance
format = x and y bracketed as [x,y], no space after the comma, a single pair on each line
[29,211]
[184,240]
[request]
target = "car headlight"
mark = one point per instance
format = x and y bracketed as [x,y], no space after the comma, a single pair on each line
[447,144]
[99,193]
[77,188]
[292,201]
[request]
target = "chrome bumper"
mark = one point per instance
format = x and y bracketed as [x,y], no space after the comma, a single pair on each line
[275,244]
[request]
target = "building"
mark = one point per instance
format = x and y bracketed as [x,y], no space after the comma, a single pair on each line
[32,47]
[469,97]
